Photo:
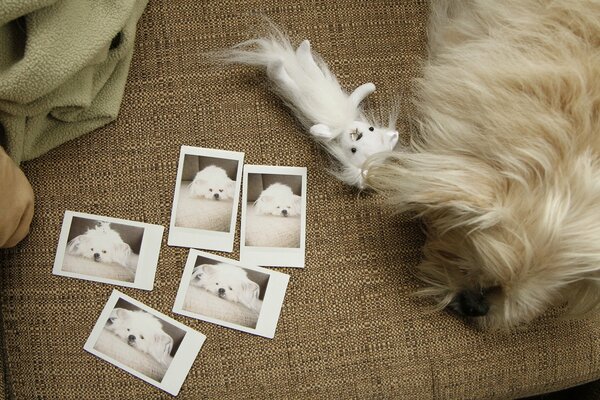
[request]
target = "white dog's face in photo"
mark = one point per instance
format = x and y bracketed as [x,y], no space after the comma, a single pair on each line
[227,282]
[279,200]
[212,183]
[101,244]
[142,331]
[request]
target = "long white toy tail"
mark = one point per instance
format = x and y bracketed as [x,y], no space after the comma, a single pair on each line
[305,83]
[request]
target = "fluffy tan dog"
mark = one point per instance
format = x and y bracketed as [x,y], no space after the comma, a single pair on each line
[506,168]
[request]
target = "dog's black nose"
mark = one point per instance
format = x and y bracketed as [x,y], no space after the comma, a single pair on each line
[96,256]
[471,304]
[221,291]
[284,212]
[131,338]
[216,196]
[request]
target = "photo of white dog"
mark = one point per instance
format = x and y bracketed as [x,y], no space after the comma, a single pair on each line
[102,245]
[212,183]
[225,292]
[97,248]
[206,191]
[138,339]
[143,332]
[279,200]
[228,282]
[273,215]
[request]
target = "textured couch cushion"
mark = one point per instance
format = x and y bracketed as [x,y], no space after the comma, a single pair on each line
[348,327]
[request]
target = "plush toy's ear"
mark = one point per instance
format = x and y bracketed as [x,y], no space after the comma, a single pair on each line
[321,131]
[361,92]
[393,138]
[161,350]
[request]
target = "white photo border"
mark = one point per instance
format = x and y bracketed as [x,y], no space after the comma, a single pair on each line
[148,257]
[273,256]
[184,357]
[201,238]
[272,301]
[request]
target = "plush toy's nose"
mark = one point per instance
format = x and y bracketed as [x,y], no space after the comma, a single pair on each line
[284,212]
[131,338]
[216,196]
[96,256]
[221,291]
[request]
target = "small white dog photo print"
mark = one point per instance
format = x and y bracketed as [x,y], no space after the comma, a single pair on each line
[206,199]
[108,250]
[231,294]
[273,227]
[144,342]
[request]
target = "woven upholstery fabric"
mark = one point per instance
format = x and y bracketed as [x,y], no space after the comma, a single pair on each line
[348,327]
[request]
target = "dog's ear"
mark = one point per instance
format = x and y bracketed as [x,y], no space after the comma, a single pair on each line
[73,245]
[116,315]
[122,253]
[261,204]
[297,206]
[249,295]
[162,344]
[196,185]
[460,191]
[201,270]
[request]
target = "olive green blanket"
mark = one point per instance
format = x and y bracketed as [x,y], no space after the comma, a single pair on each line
[63,67]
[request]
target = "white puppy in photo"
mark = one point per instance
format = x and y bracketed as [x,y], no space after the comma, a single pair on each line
[143,332]
[279,200]
[103,245]
[212,183]
[228,282]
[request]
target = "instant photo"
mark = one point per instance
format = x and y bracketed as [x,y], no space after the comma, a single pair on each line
[206,199]
[231,294]
[273,229]
[108,250]
[144,342]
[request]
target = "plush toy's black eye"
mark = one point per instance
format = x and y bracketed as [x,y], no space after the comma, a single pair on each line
[141,337]
[92,249]
[127,329]
[104,251]
[353,149]
[210,190]
[371,128]
[221,190]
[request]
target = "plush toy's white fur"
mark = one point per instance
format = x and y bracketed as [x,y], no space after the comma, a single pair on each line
[102,244]
[229,282]
[305,83]
[279,200]
[506,169]
[142,331]
[212,183]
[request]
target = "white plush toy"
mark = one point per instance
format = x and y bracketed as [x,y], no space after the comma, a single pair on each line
[333,117]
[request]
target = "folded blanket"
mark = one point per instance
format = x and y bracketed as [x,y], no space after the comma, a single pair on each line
[63,67]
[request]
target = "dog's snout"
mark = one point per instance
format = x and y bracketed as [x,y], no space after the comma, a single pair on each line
[284,212]
[216,196]
[471,304]
[131,338]
[96,256]
[221,291]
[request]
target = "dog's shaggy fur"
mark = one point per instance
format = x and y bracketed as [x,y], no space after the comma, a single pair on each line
[506,169]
